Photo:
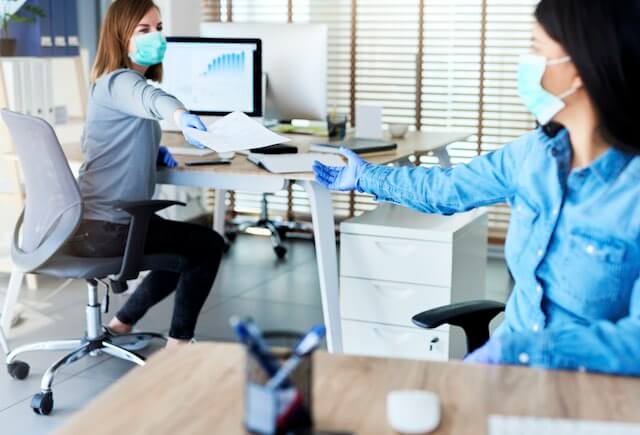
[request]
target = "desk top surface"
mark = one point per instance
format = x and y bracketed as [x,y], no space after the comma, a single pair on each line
[199,390]
[414,142]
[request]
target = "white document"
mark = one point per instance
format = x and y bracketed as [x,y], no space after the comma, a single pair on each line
[368,122]
[190,151]
[293,163]
[236,132]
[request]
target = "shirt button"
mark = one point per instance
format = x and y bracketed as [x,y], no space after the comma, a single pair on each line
[523,358]
[535,327]
[555,212]
[591,249]
[539,289]
[582,369]
[540,252]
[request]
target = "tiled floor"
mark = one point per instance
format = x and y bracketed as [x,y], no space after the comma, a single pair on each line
[279,295]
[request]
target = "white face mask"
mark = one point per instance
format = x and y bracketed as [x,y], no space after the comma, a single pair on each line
[542,104]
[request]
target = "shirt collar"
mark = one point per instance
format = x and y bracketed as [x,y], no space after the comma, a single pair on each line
[606,167]
[610,164]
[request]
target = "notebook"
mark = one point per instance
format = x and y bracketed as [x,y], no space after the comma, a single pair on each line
[293,163]
[360,146]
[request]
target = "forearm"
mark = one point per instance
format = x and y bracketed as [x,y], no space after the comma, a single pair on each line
[437,190]
[604,347]
[177,114]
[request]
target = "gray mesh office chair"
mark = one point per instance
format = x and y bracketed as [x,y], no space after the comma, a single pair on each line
[52,213]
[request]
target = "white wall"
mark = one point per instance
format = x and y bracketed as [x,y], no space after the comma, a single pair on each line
[181,17]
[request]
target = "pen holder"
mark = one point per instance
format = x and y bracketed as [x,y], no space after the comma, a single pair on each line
[282,410]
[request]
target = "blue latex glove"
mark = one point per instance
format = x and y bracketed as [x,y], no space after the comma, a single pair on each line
[343,178]
[188,121]
[165,158]
[490,353]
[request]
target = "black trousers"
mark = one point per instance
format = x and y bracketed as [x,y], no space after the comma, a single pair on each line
[201,246]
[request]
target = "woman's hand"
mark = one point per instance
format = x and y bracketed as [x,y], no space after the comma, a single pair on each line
[343,178]
[490,353]
[165,158]
[188,121]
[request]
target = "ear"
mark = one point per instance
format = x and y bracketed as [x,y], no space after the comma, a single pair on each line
[577,83]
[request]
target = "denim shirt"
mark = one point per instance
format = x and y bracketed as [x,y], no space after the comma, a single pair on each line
[572,246]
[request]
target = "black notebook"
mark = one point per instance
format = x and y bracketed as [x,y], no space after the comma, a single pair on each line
[360,146]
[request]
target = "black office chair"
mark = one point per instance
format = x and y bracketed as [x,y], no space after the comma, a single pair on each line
[52,214]
[473,317]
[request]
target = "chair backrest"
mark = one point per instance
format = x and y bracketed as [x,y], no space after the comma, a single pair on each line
[53,203]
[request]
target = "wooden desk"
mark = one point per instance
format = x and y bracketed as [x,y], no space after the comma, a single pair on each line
[199,390]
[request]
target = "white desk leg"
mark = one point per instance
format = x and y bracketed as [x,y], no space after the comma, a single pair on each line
[15,285]
[443,157]
[325,240]
[219,211]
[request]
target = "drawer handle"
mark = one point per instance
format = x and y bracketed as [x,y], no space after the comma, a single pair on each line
[398,249]
[395,337]
[394,292]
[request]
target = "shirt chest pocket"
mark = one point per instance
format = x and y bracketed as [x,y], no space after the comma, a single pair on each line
[523,218]
[595,271]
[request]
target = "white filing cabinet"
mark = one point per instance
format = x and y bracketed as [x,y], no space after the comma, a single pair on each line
[395,263]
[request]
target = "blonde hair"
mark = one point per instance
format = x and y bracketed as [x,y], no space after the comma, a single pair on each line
[119,26]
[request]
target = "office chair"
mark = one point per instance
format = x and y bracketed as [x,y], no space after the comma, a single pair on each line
[52,213]
[3,342]
[473,317]
[278,233]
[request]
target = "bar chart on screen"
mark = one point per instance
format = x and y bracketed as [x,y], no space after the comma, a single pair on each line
[212,76]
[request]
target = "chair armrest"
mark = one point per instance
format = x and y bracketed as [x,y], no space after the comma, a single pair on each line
[141,213]
[473,317]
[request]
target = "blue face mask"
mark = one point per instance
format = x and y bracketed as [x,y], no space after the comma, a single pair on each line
[150,49]
[543,105]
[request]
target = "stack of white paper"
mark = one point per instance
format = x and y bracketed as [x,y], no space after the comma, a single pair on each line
[237,132]
[293,163]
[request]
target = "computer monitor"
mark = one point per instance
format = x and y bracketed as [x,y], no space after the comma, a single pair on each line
[215,76]
[294,61]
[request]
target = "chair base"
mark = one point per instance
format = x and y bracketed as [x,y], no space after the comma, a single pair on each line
[277,232]
[97,340]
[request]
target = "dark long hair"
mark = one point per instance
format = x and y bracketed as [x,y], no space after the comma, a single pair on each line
[603,39]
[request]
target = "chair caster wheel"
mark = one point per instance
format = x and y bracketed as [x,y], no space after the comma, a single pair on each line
[231,236]
[18,370]
[42,403]
[280,251]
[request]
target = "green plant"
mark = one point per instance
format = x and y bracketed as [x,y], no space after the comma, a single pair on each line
[27,14]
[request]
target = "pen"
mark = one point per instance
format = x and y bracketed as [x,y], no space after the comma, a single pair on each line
[255,345]
[306,346]
[208,162]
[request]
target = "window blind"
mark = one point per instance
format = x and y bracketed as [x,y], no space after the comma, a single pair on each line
[432,64]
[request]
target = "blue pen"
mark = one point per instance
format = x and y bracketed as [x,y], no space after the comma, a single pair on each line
[306,346]
[256,347]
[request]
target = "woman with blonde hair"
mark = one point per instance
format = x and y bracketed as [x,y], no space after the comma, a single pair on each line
[121,146]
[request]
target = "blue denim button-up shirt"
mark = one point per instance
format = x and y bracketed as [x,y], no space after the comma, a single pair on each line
[572,246]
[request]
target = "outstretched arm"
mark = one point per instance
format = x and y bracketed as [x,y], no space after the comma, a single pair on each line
[488,179]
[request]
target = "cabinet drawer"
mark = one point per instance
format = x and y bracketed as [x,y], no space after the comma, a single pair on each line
[371,339]
[400,260]
[388,302]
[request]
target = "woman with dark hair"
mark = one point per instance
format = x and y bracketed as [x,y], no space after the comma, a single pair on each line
[574,188]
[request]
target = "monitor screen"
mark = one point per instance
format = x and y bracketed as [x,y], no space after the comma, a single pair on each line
[215,76]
